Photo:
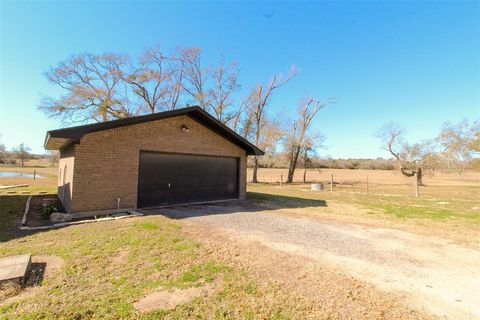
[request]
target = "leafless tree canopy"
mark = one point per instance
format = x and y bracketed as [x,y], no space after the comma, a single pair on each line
[256,104]
[458,144]
[299,137]
[3,152]
[153,81]
[111,86]
[93,89]
[211,87]
[412,159]
[53,157]
[22,153]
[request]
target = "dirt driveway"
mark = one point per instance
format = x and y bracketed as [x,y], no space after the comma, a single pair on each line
[431,274]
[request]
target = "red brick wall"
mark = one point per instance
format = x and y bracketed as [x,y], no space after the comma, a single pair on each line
[106,162]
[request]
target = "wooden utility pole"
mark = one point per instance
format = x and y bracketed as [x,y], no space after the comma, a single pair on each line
[281,180]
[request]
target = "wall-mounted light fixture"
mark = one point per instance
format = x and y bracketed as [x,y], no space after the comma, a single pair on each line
[185,128]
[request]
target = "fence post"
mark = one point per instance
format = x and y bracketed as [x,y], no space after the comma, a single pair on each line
[281,180]
[331,182]
[34,174]
[417,187]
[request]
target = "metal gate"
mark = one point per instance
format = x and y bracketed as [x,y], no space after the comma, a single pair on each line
[167,178]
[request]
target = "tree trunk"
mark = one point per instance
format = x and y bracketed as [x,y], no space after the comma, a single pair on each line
[293,164]
[255,169]
[419,176]
[305,166]
[417,186]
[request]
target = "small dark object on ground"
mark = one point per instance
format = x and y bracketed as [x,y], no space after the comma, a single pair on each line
[48,209]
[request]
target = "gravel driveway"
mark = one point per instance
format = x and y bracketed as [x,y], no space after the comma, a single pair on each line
[438,276]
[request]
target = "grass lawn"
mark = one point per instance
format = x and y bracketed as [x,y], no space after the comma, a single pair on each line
[447,211]
[436,205]
[109,265]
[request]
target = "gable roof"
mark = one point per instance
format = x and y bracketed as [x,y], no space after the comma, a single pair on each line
[60,138]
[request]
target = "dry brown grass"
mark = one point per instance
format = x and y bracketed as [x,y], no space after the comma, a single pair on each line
[375,177]
[9,289]
[383,182]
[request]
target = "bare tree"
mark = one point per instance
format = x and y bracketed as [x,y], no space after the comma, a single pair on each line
[247,120]
[92,85]
[459,144]
[53,157]
[22,153]
[474,143]
[240,115]
[109,86]
[259,98]
[225,83]
[269,140]
[212,88]
[413,160]
[298,137]
[194,76]
[3,153]
[312,142]
[155,79]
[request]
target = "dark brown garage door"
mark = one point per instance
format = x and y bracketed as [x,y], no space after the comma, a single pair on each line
[166,178]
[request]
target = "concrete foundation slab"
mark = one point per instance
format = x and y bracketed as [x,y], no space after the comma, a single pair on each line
[15,268]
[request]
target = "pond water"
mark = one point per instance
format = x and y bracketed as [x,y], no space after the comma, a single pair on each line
[18,174]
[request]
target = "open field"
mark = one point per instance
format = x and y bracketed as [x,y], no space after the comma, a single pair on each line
[376,178]
[286,253]
[40,166]
[439,187]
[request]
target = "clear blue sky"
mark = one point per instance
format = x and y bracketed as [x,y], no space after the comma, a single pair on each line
[417,63]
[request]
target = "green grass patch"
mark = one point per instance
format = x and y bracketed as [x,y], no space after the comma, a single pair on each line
[148,226]
[433,206]
[400,211]
[206,271]
[110,265]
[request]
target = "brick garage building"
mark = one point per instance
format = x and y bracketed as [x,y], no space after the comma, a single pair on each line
[173,157]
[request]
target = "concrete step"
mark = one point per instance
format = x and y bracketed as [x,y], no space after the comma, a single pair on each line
[15,268]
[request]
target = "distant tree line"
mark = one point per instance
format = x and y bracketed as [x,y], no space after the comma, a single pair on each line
[280,160]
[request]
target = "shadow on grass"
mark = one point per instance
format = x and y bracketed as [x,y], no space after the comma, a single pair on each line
[36,276]
[283,201]
[255,202]
[12,208]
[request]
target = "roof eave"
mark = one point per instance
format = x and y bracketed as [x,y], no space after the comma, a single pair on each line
[56,143]
[58,139]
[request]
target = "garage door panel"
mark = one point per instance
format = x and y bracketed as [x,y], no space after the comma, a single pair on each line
[166,179]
